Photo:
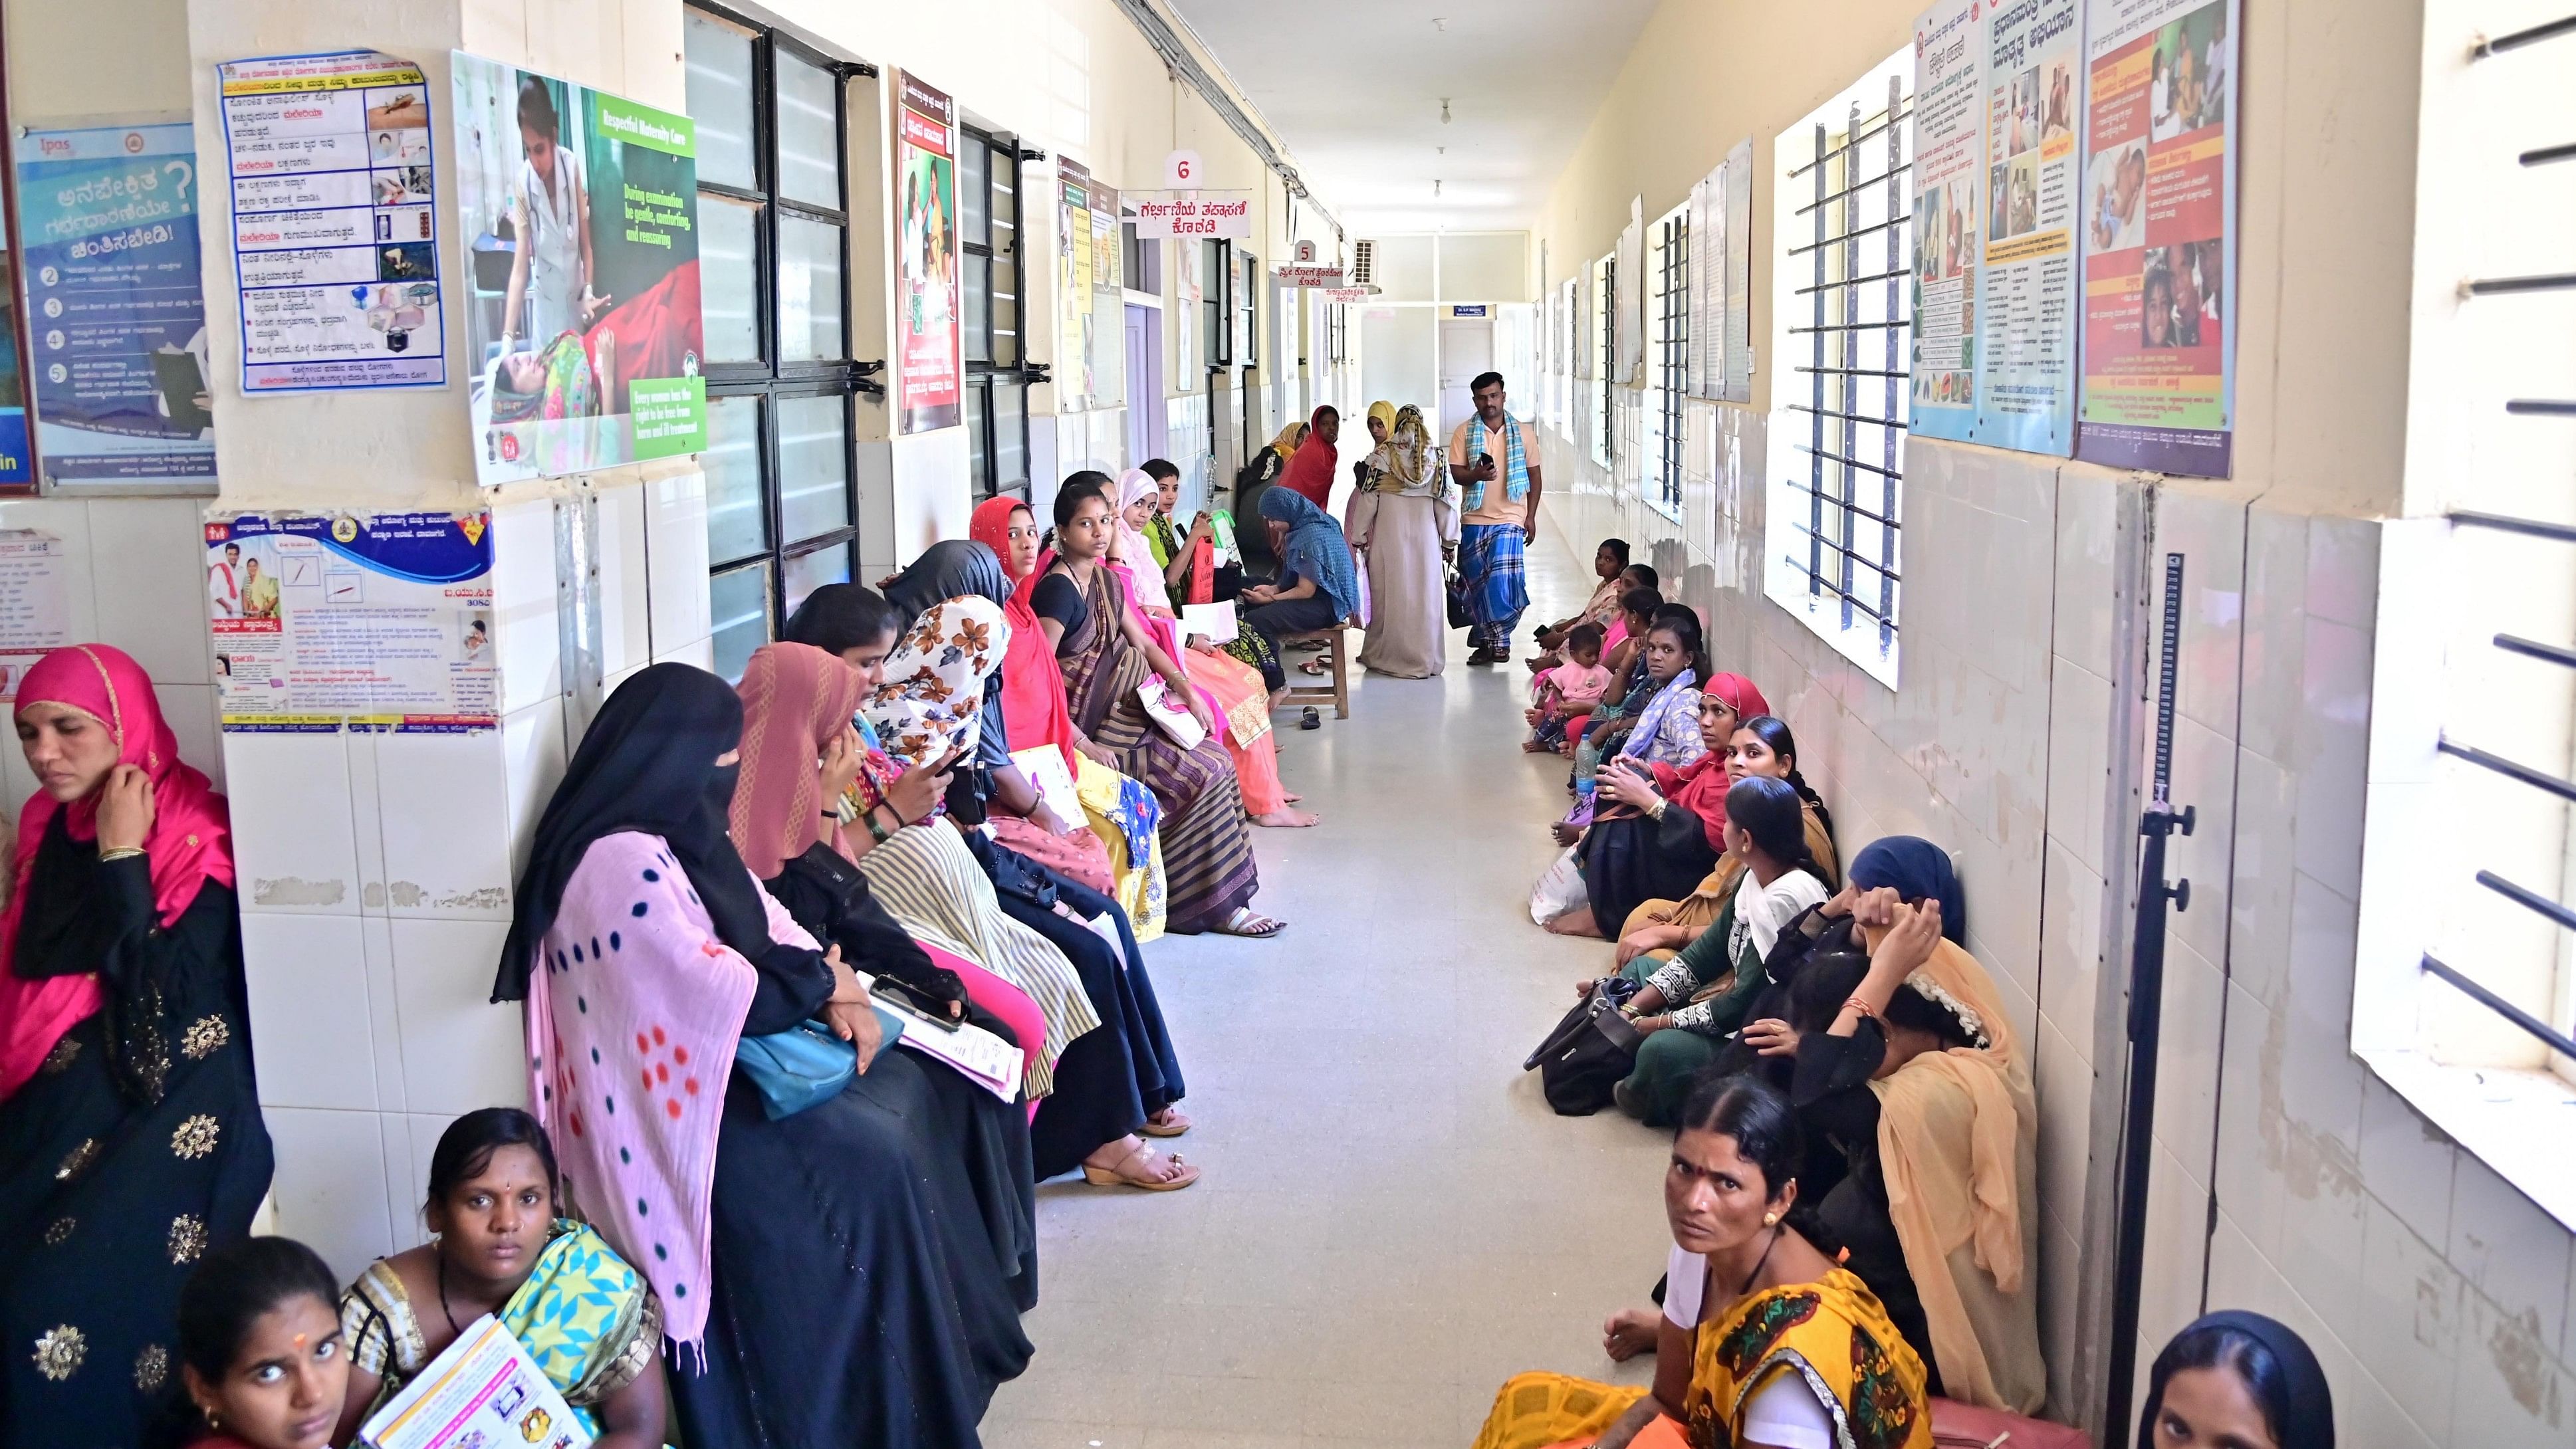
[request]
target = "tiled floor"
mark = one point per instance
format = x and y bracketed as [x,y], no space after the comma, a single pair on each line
[1392,1221]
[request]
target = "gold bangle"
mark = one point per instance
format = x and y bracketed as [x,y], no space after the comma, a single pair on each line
[120,853]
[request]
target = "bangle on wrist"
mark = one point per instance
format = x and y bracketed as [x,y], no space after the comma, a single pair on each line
[880,833]
[1864,1010]
[119,853]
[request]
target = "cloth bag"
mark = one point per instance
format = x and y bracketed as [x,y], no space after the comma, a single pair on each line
[1591,1050]
[1561,889]
[805,1064]
[1459,615]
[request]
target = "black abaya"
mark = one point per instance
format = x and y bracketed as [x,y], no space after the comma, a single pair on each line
[136,1148]
[1633,859]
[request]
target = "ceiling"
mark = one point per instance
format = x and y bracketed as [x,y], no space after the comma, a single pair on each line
[1354,87]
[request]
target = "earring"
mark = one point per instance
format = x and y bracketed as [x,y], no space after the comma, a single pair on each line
[1770,1220]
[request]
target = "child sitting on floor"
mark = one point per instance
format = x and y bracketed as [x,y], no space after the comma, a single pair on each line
[1569,691]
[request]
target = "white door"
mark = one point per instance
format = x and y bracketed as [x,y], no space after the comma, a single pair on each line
[1466,349]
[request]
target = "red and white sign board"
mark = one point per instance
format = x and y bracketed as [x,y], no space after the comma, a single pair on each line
[1225,215]
[1181,171]
[1347,296]
[1310,276]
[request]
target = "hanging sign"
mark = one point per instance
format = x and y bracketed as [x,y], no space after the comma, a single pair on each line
[1347,296]
[1181,170]
[1309,276]
[1305,253]
[335,240]
[584,327]
[2158,210]
[116,304]
[928,340]
[1224,215]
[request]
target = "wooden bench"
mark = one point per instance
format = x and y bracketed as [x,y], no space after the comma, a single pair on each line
[1336,661]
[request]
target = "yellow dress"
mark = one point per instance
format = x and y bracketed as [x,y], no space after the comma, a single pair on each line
[1140,890]
[1832,1334]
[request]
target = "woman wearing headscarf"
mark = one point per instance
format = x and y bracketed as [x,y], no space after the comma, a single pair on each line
[1256,478]
[130,1130]
[1670,831]
[1758,744]
[1123,815]
[828,1273]
[2237,1379]
[1108,661]
[1402,524]
[1234,690]
[1316,587]
[1310,472]
[1905,1062]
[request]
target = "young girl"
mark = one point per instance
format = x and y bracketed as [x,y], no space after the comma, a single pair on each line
[497,1247]
[261,1363]
[1569,691]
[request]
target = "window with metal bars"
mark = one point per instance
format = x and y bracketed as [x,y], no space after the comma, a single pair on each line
[997,379]
[773,244]
[1605,357]
[1841,319]
[1667,347]
[2465,992]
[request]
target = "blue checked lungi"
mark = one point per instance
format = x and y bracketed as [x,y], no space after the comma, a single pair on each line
[1490,566]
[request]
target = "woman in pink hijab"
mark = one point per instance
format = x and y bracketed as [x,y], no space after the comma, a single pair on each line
[130,1131]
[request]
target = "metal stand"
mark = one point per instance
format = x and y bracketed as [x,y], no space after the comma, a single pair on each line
[2146,1023]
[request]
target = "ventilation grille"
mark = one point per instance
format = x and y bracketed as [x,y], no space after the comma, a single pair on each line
[1363,264]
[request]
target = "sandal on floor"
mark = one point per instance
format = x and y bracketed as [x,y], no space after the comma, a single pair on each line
[1121,1176]
[1314,667]
[1251,924]
[1175,1127]
[1310,720]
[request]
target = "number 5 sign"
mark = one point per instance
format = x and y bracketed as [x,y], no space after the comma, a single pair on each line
[1181,171]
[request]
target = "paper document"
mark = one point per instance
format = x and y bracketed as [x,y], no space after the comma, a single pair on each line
[482,1393]
[1216,623]
[1170,715]
[978,1055]
[1046,770]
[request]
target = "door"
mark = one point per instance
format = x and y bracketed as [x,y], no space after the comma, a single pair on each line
[1466,349]
[1144,390]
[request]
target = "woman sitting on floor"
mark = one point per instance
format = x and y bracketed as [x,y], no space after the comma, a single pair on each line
[1688,1006]
[1760,744]
[1316,587]
[500,1243]
[1107,658]
[131,1138]
[1236,692]
[1764,1339]
[825,1273]
[1610,566]
[1666,826]
[1606,731]
[261,1361]
[1906,1063]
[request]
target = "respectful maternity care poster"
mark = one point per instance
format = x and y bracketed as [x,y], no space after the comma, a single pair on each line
[2159,214]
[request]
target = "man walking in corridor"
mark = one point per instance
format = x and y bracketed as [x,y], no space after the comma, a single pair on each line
[1498,518]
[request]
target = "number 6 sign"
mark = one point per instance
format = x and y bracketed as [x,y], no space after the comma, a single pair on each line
[1181,171]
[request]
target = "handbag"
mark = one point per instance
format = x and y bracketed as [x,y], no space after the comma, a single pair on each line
[1459,617]
[1968,1426]
[1560,890]
[805,1064]
[1592,1049]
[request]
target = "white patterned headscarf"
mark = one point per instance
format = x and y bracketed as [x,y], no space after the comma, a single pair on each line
[933,695]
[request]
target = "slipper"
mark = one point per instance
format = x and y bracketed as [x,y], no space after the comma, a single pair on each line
[1239,924]
[1119,1177]
[1174,1128]
[1314,667]
[1310,720]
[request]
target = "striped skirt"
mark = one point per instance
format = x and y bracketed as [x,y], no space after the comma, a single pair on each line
[928,879]
[1206,841]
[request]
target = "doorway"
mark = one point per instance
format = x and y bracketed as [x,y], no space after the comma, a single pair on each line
[1466,349]
[1147,430]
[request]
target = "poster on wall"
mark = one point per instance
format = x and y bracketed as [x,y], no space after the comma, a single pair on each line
[927,338]
[1108,341]
[582,328]
[108,216]
[1704,359]
[1628,293]
[369,621]
[335,239]
[1075,246]
[35,601]
[1949,176]
[2026,285]
[1739,272]
[2159,215]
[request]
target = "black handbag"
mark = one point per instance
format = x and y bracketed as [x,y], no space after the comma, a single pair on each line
[1591,1050]
[1459,617]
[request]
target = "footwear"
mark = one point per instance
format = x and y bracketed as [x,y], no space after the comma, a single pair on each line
[1177,1125]
[1626,1099]
[1127,1173]
[1310,720]
[1481,656]
[1252,924]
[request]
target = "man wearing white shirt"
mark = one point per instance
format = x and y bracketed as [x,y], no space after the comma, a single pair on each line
[223,583]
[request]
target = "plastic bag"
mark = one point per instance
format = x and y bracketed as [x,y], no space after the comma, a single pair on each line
[1560,890]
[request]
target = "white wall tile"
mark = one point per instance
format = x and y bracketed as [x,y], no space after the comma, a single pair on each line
[2406,1162]
[150,584]
[2405,1326]
[2509,1250]
[446,805]
[2064,1083]
[2333,752]
[194,717]
[384,1011]
[675,544]
[524,603]
[533,752]
[2258,902]
[625,605]
[2509,1389]
[330,1185]
[700,652]
[2079,760]
[2187,1056]
[2176,1229]
[2276,622]
[460,1051]
[311,1020]
[2070,950]
[2255,1143]
[293,841]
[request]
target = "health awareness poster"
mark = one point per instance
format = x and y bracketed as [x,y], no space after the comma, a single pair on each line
[335,240]
[1949,177]
[926,281]
[583,334]
[2026,284]
[1074,264]
[116,303]
[373,621]
[2159,215]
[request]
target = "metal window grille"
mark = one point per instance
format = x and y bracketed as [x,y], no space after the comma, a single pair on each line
[1671,346]
[1856,341]
[1363,263]
[1605,381]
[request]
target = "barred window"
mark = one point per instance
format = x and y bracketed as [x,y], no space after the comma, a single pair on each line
[1605,356]
[1667,347]
[1842,310]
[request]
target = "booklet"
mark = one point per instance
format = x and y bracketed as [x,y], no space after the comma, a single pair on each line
[1168,714]
[1046,770]
[1221,532]
[1216,623]
[981,1057]
[484,1392]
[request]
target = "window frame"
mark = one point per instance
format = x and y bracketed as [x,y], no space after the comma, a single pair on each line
[768,379]
[1659,479]
[1842,320]
[985,380]
[1605,357]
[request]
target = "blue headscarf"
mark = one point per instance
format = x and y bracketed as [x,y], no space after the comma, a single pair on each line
[1316,549]
[1915,868]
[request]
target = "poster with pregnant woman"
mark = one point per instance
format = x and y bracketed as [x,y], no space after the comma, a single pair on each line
[583,333]
[2159,218]
[926,330]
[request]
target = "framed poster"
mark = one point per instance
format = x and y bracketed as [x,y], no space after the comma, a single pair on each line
[927,339]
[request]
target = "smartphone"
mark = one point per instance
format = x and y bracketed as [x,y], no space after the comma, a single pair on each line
[920,1002]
